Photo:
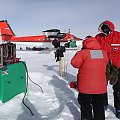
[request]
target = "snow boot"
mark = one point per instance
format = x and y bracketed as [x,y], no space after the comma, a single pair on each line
[118,113]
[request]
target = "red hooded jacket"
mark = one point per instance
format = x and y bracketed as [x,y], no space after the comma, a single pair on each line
[91,62]
[110,43]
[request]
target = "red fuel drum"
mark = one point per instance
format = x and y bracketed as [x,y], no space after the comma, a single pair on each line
[73,84]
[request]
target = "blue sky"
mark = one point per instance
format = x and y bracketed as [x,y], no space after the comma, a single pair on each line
[31,17]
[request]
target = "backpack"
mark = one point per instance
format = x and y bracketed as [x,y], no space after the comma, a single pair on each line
[112,73]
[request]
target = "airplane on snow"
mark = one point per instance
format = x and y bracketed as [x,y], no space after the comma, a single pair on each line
[7,35]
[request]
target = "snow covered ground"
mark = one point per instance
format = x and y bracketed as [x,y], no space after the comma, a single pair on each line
[58,101]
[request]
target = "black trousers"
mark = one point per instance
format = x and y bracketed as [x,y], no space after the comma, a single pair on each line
[91,106]
[116,94]
[105,99]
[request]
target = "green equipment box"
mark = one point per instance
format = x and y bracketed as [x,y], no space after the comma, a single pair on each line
[12,80]
[73,43]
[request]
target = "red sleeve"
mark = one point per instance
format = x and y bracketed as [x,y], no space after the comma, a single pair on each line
[77,60]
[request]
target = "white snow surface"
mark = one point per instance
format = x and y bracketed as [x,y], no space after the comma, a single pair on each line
[58,101]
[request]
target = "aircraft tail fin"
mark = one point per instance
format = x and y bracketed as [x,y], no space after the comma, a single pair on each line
[6,31]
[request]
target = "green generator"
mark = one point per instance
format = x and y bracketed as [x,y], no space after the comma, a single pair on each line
[12,81]
[12,73]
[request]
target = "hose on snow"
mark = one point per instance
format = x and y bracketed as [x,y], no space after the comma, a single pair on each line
[28,77]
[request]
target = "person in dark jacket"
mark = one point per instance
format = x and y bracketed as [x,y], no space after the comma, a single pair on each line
[91,79]
[109,40]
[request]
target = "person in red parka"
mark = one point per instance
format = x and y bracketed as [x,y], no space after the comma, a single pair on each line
[91,78]
[109,40]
